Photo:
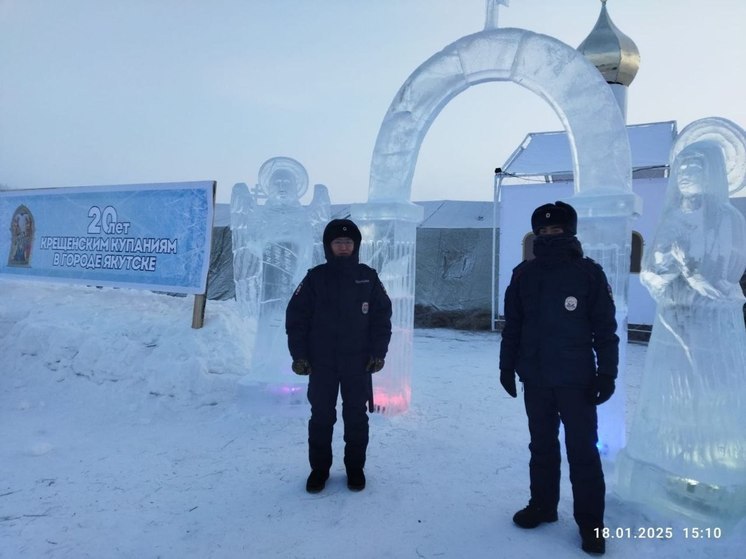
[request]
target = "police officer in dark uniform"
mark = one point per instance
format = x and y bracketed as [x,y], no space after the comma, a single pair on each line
[338,324]
[560,337]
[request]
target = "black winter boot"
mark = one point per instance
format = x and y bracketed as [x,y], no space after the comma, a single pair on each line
[355,479]
[533,515]
[316,480]
[592,541]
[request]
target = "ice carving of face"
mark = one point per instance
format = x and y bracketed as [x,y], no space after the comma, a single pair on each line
[283,187]
[691,181]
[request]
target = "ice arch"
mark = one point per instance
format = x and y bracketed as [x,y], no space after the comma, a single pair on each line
[601,163]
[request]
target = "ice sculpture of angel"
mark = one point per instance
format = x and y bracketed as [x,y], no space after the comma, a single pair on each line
[275,240]
[687,443]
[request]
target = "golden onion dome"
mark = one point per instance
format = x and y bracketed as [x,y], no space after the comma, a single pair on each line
[611,51]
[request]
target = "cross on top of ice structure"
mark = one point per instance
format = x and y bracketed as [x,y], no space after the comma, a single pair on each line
[492,9]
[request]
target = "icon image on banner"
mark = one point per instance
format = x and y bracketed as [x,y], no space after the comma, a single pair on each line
[22,229]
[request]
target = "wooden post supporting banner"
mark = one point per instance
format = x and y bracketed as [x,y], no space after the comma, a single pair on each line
[198,315]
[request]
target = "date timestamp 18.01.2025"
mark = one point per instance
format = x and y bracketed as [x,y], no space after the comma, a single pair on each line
[659,533]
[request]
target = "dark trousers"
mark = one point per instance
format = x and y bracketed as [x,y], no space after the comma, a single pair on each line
[545,408]
[324,385]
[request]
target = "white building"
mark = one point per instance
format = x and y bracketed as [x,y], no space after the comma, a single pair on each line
[540,172]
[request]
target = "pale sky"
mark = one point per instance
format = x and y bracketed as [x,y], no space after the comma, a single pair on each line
[96,92]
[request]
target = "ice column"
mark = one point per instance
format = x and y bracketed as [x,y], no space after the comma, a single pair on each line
[275,241]
[605,231]
[600,149]
[389,231]
[687,443]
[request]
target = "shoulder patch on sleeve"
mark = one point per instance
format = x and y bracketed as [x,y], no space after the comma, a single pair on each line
[297,289]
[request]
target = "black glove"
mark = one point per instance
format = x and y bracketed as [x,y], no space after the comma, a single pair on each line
[601,389]
[507,379]
[301,367]
[375,364]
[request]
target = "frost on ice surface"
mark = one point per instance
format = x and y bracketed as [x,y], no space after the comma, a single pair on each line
[275,241]
[687,444]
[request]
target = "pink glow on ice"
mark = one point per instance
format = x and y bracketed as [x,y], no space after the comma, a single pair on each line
[387,403]
[287,389]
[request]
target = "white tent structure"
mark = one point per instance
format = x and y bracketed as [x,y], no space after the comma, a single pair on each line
[454,282]
[453,263]
[540,171]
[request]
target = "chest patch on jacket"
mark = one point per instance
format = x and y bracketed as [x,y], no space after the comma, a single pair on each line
[365,308]
[362,281]
[571,303]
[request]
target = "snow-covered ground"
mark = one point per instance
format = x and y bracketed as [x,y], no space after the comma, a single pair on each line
[126,433]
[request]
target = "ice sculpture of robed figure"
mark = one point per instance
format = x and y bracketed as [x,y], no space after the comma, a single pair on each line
[687,445]
[274,244]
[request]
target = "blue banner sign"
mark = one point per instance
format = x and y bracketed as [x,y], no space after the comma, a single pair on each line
[146,236]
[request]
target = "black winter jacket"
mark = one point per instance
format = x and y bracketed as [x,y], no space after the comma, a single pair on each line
[340,309]
[560,326]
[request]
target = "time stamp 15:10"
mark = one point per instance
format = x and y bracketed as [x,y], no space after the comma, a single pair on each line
[654,533]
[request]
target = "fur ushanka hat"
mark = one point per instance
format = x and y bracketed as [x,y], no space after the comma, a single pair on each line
[559,213]
[337,228]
